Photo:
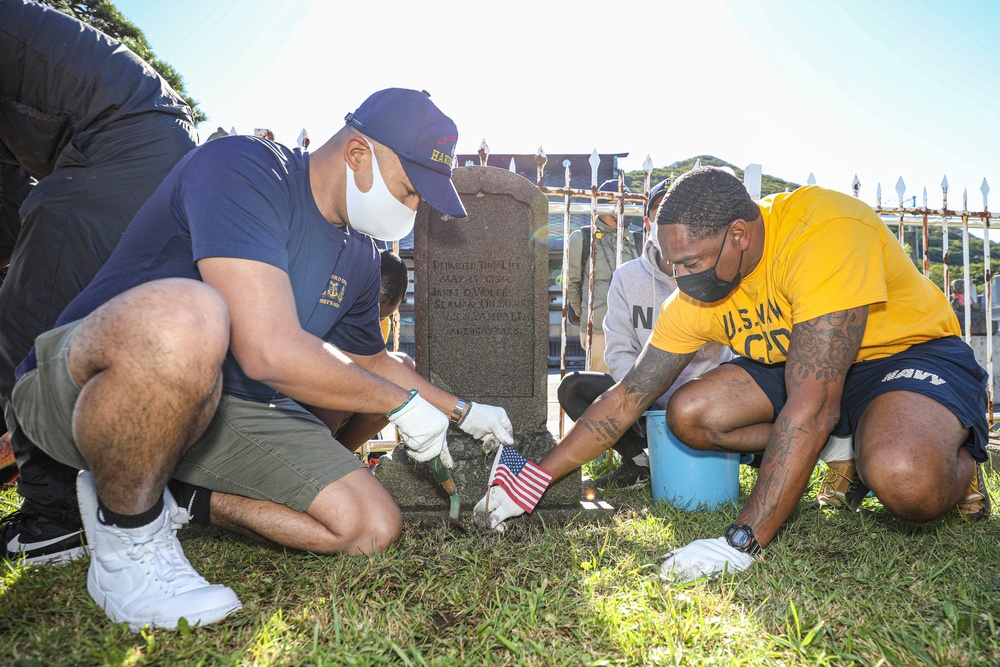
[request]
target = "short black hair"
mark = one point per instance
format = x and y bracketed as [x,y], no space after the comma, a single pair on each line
[394,280]
[706,201]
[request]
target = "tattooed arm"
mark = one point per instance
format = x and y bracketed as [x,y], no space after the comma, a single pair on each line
[599,428]
[820,353]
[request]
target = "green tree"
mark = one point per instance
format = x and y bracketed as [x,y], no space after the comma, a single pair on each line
[104,16]
[955,262]
[769,185]
[772,185]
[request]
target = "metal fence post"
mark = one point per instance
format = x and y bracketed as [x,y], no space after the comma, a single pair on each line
[966,281]
[595,162]
[988,295]
[564,329]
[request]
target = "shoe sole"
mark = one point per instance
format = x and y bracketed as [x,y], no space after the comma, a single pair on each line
[60,558]
[207,617]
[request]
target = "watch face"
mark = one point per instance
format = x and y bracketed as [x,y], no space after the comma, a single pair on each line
[740,538]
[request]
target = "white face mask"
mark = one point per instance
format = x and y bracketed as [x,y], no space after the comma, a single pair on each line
[376,212]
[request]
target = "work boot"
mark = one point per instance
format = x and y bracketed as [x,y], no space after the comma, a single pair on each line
[976,505]
[140,576]
[835,483]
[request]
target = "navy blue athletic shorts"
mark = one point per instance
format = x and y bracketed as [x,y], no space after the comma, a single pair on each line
[944,369]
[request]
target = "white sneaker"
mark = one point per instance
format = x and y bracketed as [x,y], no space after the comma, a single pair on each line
[140,576]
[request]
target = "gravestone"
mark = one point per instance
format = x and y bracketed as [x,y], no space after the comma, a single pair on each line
[481,332]
[977,319]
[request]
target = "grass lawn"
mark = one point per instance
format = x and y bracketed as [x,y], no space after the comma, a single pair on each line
[835,588]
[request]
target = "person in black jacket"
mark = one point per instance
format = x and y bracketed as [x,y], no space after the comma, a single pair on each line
[98,129]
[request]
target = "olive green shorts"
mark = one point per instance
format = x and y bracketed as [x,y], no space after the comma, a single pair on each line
[270,451]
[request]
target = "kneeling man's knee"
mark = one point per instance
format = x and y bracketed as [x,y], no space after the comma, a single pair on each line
[686,415]
[384,529]
[366,524]
[907,487]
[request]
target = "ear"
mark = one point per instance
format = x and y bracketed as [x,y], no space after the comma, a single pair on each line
[356,152]
[740,229]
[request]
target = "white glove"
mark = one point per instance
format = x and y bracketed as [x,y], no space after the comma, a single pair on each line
[446,458]
[703,558]
[488,423]
[501,508]
[423,429]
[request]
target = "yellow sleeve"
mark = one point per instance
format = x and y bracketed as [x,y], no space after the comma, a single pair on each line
[682,325]
[385,324]
[836,265]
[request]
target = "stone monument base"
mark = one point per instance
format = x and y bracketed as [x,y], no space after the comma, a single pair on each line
[422,500]
[993,450]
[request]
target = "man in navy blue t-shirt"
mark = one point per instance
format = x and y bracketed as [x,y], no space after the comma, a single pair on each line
[250,271]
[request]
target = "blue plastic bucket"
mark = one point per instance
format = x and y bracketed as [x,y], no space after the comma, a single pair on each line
[688,478]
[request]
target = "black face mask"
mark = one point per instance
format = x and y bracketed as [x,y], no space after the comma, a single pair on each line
[706,286]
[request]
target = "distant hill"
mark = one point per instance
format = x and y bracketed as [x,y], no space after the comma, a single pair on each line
[772,184]
[769,184]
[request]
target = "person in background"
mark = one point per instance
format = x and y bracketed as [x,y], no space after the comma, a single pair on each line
[605,262]
[958,293]
[638,289]
[98,129]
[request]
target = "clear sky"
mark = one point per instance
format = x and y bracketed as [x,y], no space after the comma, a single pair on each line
[877,88]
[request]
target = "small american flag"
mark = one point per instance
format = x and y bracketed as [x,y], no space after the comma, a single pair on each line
[523,481]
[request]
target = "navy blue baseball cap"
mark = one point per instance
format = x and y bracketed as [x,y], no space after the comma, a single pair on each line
[407,122]
[656,193]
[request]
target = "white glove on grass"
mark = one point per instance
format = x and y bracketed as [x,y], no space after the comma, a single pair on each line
[501,508]
[423,429]
[703,558]
[488,423]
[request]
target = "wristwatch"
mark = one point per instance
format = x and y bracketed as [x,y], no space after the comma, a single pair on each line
[740,536]
[456,414]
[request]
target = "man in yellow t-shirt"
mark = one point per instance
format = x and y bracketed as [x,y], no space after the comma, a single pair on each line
[840,334]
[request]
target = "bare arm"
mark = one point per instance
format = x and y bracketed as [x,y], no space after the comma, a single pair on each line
[386,366]
[820,353]
[600,427]
[271,347]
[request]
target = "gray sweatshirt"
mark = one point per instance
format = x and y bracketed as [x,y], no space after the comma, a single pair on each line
[638,289]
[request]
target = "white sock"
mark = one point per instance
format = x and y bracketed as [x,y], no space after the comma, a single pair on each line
[641,460]
[838,449]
